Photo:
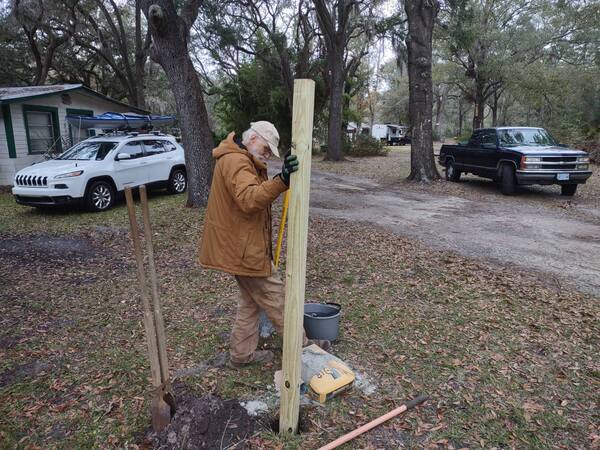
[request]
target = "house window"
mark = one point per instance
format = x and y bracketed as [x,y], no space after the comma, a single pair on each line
[42,129]
[41,135]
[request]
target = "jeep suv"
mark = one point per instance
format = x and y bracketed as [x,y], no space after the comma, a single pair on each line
[96,170]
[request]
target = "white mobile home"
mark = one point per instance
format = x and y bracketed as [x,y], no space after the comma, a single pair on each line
[33,121]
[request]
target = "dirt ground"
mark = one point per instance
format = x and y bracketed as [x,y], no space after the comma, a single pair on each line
[536,230]
[203,423]
[507,358]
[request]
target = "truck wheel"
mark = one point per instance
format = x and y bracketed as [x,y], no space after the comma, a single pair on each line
[508,182]
[100,196]
[451,173]
[177,182]
[568,189]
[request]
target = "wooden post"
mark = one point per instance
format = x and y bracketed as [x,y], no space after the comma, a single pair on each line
[295,276]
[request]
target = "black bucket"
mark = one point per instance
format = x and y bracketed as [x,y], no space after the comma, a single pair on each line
[322,320]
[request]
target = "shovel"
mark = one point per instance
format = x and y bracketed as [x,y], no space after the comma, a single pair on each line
[286,202]
[162,407]
[265,326]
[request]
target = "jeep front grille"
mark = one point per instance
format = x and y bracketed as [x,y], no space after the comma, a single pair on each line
[31,180]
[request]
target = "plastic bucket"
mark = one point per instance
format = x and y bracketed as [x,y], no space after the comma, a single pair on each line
[322,320]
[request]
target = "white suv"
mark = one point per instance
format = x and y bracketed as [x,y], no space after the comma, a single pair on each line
[96,170]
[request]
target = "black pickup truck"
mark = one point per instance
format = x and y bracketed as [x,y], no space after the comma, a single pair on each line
[517,156]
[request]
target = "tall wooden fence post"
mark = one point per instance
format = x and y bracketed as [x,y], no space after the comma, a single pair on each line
[302,127]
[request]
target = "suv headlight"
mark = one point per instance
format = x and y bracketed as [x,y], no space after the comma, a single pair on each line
[69,174]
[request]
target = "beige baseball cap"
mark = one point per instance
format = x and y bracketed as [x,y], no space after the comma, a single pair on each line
[268,132]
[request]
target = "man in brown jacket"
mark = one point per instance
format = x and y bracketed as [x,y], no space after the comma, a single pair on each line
[237,234]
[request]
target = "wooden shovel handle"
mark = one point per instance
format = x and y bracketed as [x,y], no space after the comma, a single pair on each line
[156,306]
[286,202]
[148,316]
[348,437]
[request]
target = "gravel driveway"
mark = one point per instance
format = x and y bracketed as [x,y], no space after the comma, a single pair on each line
[556,241]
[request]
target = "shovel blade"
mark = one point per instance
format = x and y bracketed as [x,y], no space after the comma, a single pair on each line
[161,414]
[162,408]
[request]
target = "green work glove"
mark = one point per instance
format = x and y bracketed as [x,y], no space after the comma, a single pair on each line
[290,165]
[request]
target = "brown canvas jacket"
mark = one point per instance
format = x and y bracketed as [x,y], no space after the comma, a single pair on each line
[237,226]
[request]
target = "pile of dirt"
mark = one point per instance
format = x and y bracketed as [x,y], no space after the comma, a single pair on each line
[204,423]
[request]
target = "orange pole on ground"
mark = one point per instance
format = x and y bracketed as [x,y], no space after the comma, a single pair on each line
[348,437]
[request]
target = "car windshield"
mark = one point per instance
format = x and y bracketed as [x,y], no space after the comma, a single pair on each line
[89,150]
[525,136]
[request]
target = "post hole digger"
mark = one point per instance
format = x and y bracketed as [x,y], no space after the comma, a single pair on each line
[162,407]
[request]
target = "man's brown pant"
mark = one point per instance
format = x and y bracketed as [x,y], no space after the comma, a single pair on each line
[257,293]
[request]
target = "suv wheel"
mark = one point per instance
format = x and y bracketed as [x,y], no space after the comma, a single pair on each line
[451,173]
[177,182]
[568,189]
[508,182]
[100,196]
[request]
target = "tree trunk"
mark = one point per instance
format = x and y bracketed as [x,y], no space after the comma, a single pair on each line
[504,110]
[495,105]
[461,114]
[440,106]
[336,104]
[170,33]
[334,27]
[421,17]
[141,55]
[479,109]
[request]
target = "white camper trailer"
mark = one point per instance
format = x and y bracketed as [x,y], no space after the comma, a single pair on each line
[390,134]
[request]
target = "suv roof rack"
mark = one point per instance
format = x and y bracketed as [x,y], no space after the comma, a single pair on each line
[126,134]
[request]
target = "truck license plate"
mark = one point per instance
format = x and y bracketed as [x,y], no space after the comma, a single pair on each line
[562,176]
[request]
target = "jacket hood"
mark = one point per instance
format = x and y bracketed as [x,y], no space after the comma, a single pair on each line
[228,145]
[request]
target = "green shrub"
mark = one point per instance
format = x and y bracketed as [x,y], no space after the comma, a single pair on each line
[365,146]
[575,137]
[590,144]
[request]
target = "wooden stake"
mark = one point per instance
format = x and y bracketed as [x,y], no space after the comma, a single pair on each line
[148,316]
[302,126]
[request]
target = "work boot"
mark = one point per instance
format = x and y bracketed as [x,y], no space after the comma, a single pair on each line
[324,344]
[260,356]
